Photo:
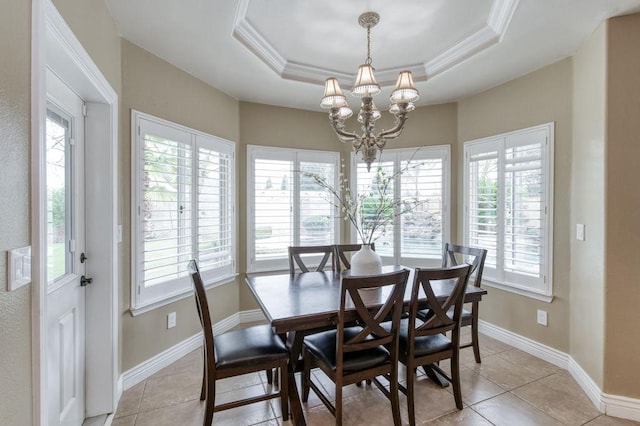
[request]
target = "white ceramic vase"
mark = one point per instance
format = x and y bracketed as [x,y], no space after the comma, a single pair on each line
[366,262]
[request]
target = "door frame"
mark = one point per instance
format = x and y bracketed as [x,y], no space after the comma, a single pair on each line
[54,46]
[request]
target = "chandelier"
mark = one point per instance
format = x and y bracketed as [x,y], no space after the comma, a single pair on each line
[370,141]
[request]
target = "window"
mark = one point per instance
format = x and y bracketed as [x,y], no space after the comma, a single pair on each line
[508,201]
[183,208]
[416,238]
[285,208]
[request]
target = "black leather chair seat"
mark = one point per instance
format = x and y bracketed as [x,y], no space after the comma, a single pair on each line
[323,346]
[425,345]
[243,347]
[425,313]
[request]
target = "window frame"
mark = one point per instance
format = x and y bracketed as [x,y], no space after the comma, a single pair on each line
[542,289]
[297,156]
[143,299]
[397,155]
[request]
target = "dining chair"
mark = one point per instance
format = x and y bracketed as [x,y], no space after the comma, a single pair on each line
[236,353]
[350,354]
[455,255]
[340,255]
[297,263]
[424,342]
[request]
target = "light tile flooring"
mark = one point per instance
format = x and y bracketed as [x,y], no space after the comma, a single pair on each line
[509,388]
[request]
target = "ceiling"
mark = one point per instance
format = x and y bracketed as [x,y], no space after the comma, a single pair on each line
[280,51]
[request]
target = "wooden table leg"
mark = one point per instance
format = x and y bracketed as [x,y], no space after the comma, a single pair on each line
[297,415]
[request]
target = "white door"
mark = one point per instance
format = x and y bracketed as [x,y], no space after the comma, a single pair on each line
[65,299]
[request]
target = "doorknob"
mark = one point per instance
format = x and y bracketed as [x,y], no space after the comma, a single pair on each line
[84,281]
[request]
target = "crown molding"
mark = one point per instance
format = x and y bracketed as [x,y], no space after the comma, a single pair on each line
[497,23]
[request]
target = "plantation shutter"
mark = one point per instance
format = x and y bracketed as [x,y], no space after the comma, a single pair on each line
[422,186]
[272,206]
[508,192]
[215,213]
[166,209]
[523,206]
[183,209]
[287,208]
[482,202]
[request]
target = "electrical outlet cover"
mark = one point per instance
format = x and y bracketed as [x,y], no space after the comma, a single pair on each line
[18,268]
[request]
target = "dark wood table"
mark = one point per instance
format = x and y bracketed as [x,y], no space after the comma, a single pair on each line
[311,300]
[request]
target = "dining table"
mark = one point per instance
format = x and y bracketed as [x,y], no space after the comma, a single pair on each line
[305,301]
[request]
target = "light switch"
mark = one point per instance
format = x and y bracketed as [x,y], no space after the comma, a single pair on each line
[580,231]
[19,268]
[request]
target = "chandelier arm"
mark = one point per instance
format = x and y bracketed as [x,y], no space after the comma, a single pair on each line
[396,130]
[344,136]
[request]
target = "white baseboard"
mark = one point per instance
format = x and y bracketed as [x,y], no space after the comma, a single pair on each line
[612,405]
[621,406]
[251,316]
[525,344]
[587,384]
[156,363]
[151,366]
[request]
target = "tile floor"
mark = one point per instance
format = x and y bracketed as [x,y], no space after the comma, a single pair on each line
[509,388]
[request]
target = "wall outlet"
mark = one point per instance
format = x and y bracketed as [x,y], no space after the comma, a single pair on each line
[542,317]
[171,320]
[580,231]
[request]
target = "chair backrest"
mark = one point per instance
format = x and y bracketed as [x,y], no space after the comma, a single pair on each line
[340,254]
[438,320]
[454,255]
[202,305]
[352,291]
[295,259]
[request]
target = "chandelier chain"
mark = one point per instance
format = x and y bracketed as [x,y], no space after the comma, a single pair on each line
[368,60]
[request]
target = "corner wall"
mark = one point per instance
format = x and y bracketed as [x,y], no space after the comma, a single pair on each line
[155,87]
[588,205]
[622,249]
[536,98]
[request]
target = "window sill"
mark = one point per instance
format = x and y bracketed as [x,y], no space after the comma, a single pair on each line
[522,292]
[139,310]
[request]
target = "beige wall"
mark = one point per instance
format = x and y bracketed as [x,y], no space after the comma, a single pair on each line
[155,87]
[15,307]
[540,97]
[622,308]
[94,27]
[285,127]
[587,205]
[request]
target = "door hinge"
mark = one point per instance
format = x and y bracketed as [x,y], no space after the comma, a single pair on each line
[84,110]
[72,141]
[72,246]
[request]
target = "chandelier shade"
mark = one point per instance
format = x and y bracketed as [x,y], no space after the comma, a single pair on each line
[366,84]
[333,96]
[405,90]
[370,142]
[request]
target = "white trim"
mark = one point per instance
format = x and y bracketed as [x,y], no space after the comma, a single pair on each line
[516,290]
[621,406]
[156,363]
[612,405]
[586,383]
[252,316]
[493,31]
[38,204]
[55,46]
[525,344]
[187,293]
